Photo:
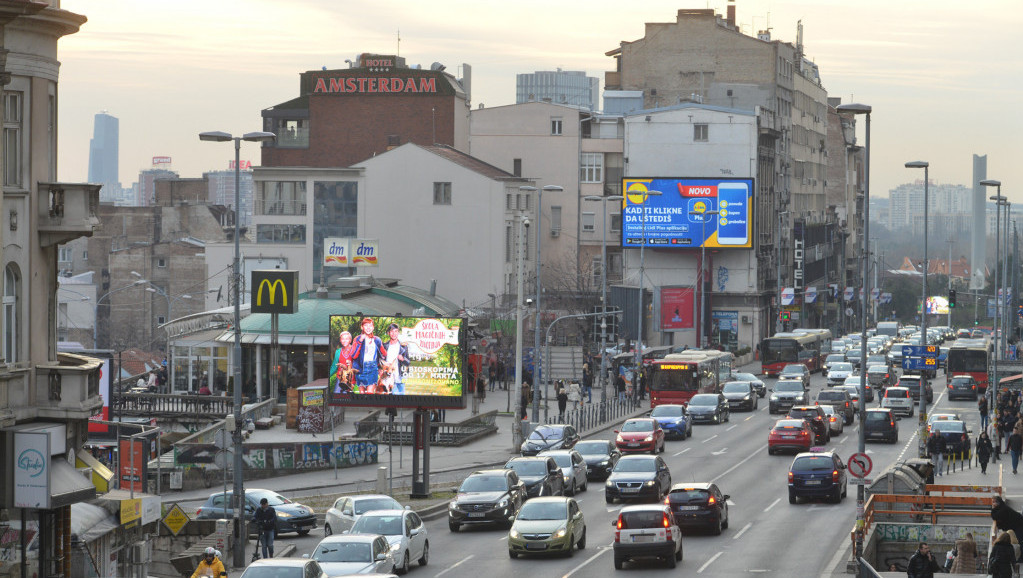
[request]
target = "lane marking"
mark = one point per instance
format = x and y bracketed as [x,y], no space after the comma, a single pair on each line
[502,539]
[599,553]
[720,451]
[708,562]
[772,504]
[741,462]
[680,453]
[710,438]
[743,530]
[842,441]
[749,418]
[453,566]
[733,427]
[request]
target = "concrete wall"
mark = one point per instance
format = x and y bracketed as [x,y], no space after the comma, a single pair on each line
[896,542]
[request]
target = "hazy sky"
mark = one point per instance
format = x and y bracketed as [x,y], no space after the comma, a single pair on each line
[944,78]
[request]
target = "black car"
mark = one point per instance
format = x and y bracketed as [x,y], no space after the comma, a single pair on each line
[291,516]
[881,424]
[962,386]
[638,476]
[818,421]
[740,395]
[786,394]
[912,383]
[549,437]
[957,437]
[700,505]
[542,476]
[709,408]
[817,475]
[600,456]
[487,497]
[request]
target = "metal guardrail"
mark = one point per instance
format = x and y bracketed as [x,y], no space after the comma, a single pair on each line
[441,433]
[211,407]
[591,415]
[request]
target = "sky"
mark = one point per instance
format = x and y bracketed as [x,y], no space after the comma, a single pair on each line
[945,79]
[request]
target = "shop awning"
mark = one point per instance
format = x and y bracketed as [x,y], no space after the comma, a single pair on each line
[90,522]
[264,339]
[67,485]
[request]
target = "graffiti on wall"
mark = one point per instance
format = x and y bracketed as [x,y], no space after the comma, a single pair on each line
[931,533]
[289,456]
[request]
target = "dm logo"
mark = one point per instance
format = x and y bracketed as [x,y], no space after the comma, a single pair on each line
[32,462]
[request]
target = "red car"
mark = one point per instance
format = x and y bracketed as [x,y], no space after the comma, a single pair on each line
[640,435]
[790,435]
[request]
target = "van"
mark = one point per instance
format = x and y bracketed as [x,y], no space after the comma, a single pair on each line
[890,328]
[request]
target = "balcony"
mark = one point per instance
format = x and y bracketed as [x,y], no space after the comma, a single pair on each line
[67,211]
[69,388]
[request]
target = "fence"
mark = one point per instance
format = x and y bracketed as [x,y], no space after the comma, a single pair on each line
[441,433]
[591,415]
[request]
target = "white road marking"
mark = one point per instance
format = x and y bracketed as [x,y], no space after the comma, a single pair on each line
[743,530]
[710,438]
[741,462]
[749,418]
[720,451]
[772,504]
[733,427]
[680,453]
[842,441]
[708,562]
[453,566]
[503,538]
[599,553]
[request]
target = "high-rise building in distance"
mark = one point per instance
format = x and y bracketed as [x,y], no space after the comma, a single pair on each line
[559,87]
[103,155]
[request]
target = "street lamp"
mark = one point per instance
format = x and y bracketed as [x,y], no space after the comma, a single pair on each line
[641,311]
[536,322]
[778,327]
[603,293]
[923,313]
[997,198]
[239,489]
[855,109]
[703,266]
[95,324]
[1006,286]
[519,308]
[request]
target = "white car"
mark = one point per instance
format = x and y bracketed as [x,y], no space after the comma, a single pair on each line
[405,532]
[835,421]
[838,372]
[573,469]
[303,567]
[648,531]
[347,509]
[898,400]
[354,554]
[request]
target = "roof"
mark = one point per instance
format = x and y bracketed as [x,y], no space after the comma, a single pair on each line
[472,163]
[693,485]
[685,105]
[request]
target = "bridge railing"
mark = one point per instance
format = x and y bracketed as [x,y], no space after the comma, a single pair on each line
[214,406]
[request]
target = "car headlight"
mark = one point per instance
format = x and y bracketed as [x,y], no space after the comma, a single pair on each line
[649,438]
[452,506]
[513,533]
[619,439]
[746,397]
[567,478]
[604,462]
[283,515]
[503,503]
[396,546]
[774,397]
[609,484]
[561,533]
[651,482]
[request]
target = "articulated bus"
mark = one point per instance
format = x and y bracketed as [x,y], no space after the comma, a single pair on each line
[969,357]
[679,376]
[806,346]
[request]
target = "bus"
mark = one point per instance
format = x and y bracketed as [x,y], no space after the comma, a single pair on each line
[679,376]
[969,357]
[806,346]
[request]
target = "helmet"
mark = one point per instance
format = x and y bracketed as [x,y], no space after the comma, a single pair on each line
[210,552]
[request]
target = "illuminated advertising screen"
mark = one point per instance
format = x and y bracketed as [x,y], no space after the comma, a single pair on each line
[669,213]
[396,361]
[937,306]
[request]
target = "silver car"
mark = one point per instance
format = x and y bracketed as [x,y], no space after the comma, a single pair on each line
[347,509]
[835,421]
[354,554]
[573,468]
[404,530]
[838,372]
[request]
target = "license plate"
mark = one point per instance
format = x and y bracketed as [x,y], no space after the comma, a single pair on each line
[635,445]
[629,490]
[788,437]
[476,514]
[813,482]
[689,507]
[536,546]
[643,538]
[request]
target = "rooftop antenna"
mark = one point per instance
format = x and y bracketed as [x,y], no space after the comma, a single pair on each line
[399,43]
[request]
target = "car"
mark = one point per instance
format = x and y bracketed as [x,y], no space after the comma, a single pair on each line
[405,532]
[838,373]
[878,359]
[740,395]
[960,386]
[895,356]
[882,424]
[898,400]
[641,434]
[709,407]
[879,376]
[600,456]
[957,437]
[814,415]
[835,420]
[758,384]
[291,516]
[573,469]
[854,356]
[796,370]
[976,334]
[833,358]
[284,568]
[648,531]
[817,474]
[354,554]
[552,525]
[933,417]
[942,356]
[838,347]
[487,497]
[347,509]
[637,477]
[853,391]
[840,400]
[912,383]
[549,437]
[855,381]
[790,434]
[541,476]
[699,505]
[674,419]
[786,394]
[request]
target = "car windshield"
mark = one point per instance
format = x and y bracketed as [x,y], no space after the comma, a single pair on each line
[638,465]
[828,409]
[342,552]
[666,411]
[273,572]
[534,510]
[841,367]
[961,381]
[813,463]
[736,387]
[370,504]
[271,498]
[794,369]
[834,357]
[897,393]
[546,433]
[528,467]
[563,460]
[638,425]
[483,484]
[788,386]
[590,448]
[878,416]
[948,426]
[704,399]
[877,369]
[789,423]
[688,495]
[388,525]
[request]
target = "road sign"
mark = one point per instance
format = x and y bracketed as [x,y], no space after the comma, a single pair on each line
[917,363]
[920,350]
[861,481]
[175,520]
[860,465]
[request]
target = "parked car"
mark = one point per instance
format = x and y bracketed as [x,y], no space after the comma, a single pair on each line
[758,384]
[347,509]
[786,394]
[648,531]
[709,407]
[405,532]
[898,400]
[640,434]
[600,456]
[962,386]
[740,395]
[552,525]
[817,475]
[882,424]
[790,435]
[354,554]
[541,476]
[487,497]
[573,469]
[291,516]
[549,437]
[638,477]
[699,505]
[674,419]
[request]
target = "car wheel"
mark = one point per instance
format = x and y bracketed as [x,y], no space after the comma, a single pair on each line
[326,530]
[453,526]
[303,532]
[792,498]
[770,451]
[512,554]
[717,527]
[678,555]
[910,414]
[609,499]
[571,547]
[582,541]
[619,562]
[404,564]
[426,554]
[585,484]
[670,561]
[845,491]
[724,525]
[837,498]
[572,493]
[662,446]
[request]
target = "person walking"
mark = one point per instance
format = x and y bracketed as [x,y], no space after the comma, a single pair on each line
[588,382]
[965,561]
[982,408]
[1002,558]
[265,518]
[937,447]
[575,396]
[1015,446]
[562,403]
[1005,517]
[1006,423]
[620,387]
[922,564]
[984,451]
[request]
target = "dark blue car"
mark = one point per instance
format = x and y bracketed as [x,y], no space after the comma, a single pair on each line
[674,419]
[817,474]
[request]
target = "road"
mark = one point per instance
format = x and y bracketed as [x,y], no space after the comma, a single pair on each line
[766,534]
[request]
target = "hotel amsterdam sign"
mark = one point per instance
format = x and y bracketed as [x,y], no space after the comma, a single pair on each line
[274,291]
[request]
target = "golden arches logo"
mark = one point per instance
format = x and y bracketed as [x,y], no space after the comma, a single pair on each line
[271,287]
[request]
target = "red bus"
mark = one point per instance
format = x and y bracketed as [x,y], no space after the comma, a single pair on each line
[806,346]
[679,376]
[969,357]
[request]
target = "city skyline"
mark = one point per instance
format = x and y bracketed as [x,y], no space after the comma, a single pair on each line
[940,77]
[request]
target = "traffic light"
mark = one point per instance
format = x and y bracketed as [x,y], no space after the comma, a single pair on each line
[786,316]
[951,298]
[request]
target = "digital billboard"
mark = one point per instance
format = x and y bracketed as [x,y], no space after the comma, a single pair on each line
[396,361]
[937,306]
[668,213]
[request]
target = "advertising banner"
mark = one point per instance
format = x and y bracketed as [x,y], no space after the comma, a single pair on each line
[274,291]
[365,252]
[133,463]
[337,252]
[849,293]
[396,361]
[32,470]
[676,308]
[937,305]
[104,392]
[811,294]
[668,213]
[725,326]
[788,295]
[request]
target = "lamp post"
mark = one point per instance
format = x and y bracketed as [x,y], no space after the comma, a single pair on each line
[239,487]
[603,293]
[856,109]
[519,307]
[641,311]
[778,327]
[703,267]
[95,324]
[922,441]
[997,198]
[1006,286]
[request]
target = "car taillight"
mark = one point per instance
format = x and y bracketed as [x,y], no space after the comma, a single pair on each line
[666,521]
[790,476]
[847,404]
[893,423]
[834,476]
[711,501]
[197,512]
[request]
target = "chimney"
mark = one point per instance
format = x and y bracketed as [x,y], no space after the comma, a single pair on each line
[731,14]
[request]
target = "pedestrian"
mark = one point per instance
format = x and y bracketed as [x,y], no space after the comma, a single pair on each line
[588,382]
[265,518]
[1015,446]
[982,407]
[562,403]
[434,424]
[642,383]
[984,450]
[575,396]
[525,399]
[965,561]
[492,374]
[620,387]
[1005,517]
[937,447]
[1001,561]
[922,564]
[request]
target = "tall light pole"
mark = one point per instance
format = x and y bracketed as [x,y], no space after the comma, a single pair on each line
[855,109]
[641,311]
[239,487]
[537,374]
[703,267]
[603,293]
[997,198]
[923,315]
[519,308]
[95,323]
[781,227]
[1006,286]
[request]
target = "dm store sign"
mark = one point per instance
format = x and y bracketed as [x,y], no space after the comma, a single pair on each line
[32,470]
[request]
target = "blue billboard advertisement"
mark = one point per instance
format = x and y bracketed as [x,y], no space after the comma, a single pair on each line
[670,213]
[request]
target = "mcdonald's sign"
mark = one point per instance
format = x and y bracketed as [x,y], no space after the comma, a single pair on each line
[274,291]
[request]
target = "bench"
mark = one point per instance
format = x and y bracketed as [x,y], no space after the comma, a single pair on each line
[264,423]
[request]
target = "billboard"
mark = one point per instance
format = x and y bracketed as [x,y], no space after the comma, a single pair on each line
[348,252]
[937,305]
[676,308]
[667,213]
[274,291]
[396,361]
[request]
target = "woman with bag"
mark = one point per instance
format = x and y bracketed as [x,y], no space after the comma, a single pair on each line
[965,561]
[984,450]
[1001,561]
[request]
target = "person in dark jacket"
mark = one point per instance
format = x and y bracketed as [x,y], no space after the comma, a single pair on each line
[984,450]
[1002,557]
[562,402]
[937,448]
[923,564]
[982,407]
[1005,517]
[1015,445]
[266,522]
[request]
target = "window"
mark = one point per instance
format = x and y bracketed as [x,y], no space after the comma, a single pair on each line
[589,222]
[289,234]
[292,133]
[591,169]
[509,244]
[12,138]
[555,220]
[160,320]
[64,253]
[281,198]
[85,254]
[616,222]
[700,133]
[517,167]
[442,193]
[12,298]
[595,264]
[161,262]
[556,127]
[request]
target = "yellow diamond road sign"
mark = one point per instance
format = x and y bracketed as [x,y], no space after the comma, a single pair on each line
[175,519]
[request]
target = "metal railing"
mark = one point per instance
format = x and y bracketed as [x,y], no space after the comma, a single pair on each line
[441,433]
[212,407]
[592,415]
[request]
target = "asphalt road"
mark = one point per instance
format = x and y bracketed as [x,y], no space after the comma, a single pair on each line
[766,534]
